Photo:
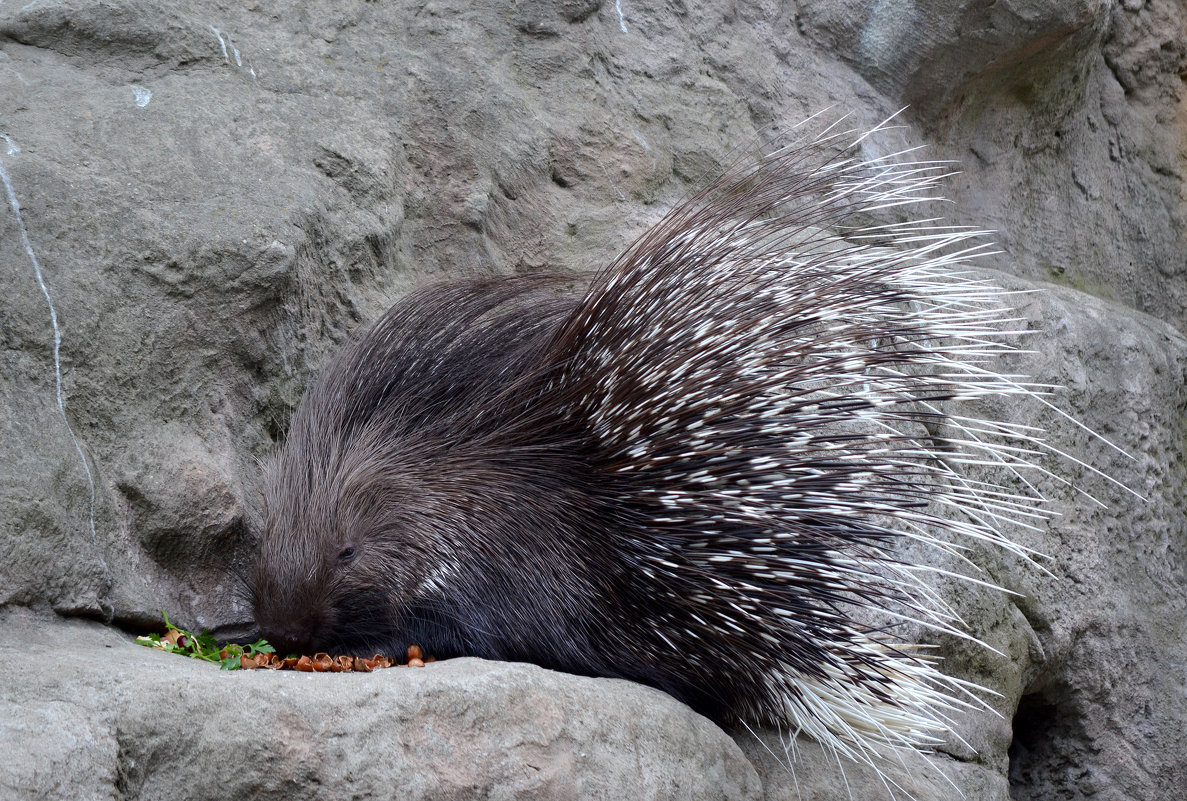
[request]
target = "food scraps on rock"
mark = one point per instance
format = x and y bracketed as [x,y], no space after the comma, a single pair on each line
[260,654]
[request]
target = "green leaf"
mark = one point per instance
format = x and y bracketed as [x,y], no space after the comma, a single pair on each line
[203,646]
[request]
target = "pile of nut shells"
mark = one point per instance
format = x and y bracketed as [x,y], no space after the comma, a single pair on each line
[324,663]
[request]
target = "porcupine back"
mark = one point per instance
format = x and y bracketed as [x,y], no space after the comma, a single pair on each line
[696,475]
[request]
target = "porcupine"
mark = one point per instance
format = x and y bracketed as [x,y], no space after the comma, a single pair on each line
[696,474]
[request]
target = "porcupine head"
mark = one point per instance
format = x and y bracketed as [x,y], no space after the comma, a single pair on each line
[694,475]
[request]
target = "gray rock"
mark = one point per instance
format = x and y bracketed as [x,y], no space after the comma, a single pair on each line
[1101,710]
[90,715]
[1064,118]
[217,194]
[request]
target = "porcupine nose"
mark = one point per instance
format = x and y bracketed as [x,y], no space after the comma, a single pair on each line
[289,637]
[286,644]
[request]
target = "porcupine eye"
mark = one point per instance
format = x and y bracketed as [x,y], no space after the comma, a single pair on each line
[346,554]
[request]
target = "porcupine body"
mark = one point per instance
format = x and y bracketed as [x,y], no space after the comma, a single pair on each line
[696,475]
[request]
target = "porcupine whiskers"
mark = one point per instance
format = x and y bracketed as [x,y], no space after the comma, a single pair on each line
[702,474]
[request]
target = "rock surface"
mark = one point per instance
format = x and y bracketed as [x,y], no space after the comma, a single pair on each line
[212,195]
[95,716]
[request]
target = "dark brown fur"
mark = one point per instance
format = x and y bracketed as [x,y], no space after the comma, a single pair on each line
[426,494]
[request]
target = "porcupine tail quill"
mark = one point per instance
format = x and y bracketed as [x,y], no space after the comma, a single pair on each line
[779,383]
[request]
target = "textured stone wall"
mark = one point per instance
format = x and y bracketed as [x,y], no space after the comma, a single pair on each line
[201,199]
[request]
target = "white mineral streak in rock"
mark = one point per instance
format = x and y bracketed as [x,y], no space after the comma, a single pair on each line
[53,318]
[890,28]
[221,43]
[229,42]
[142,95]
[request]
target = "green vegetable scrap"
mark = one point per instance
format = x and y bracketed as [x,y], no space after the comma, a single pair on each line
[203,646]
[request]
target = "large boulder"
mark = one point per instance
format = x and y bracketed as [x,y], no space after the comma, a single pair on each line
[99,717]
[201,200]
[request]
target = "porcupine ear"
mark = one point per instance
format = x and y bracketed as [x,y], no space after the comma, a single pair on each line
[782,379]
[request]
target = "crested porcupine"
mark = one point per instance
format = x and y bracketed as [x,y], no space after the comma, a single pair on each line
[697,474]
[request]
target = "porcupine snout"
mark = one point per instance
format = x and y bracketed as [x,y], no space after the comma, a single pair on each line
[294,636]
[289,633]
[289,610]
